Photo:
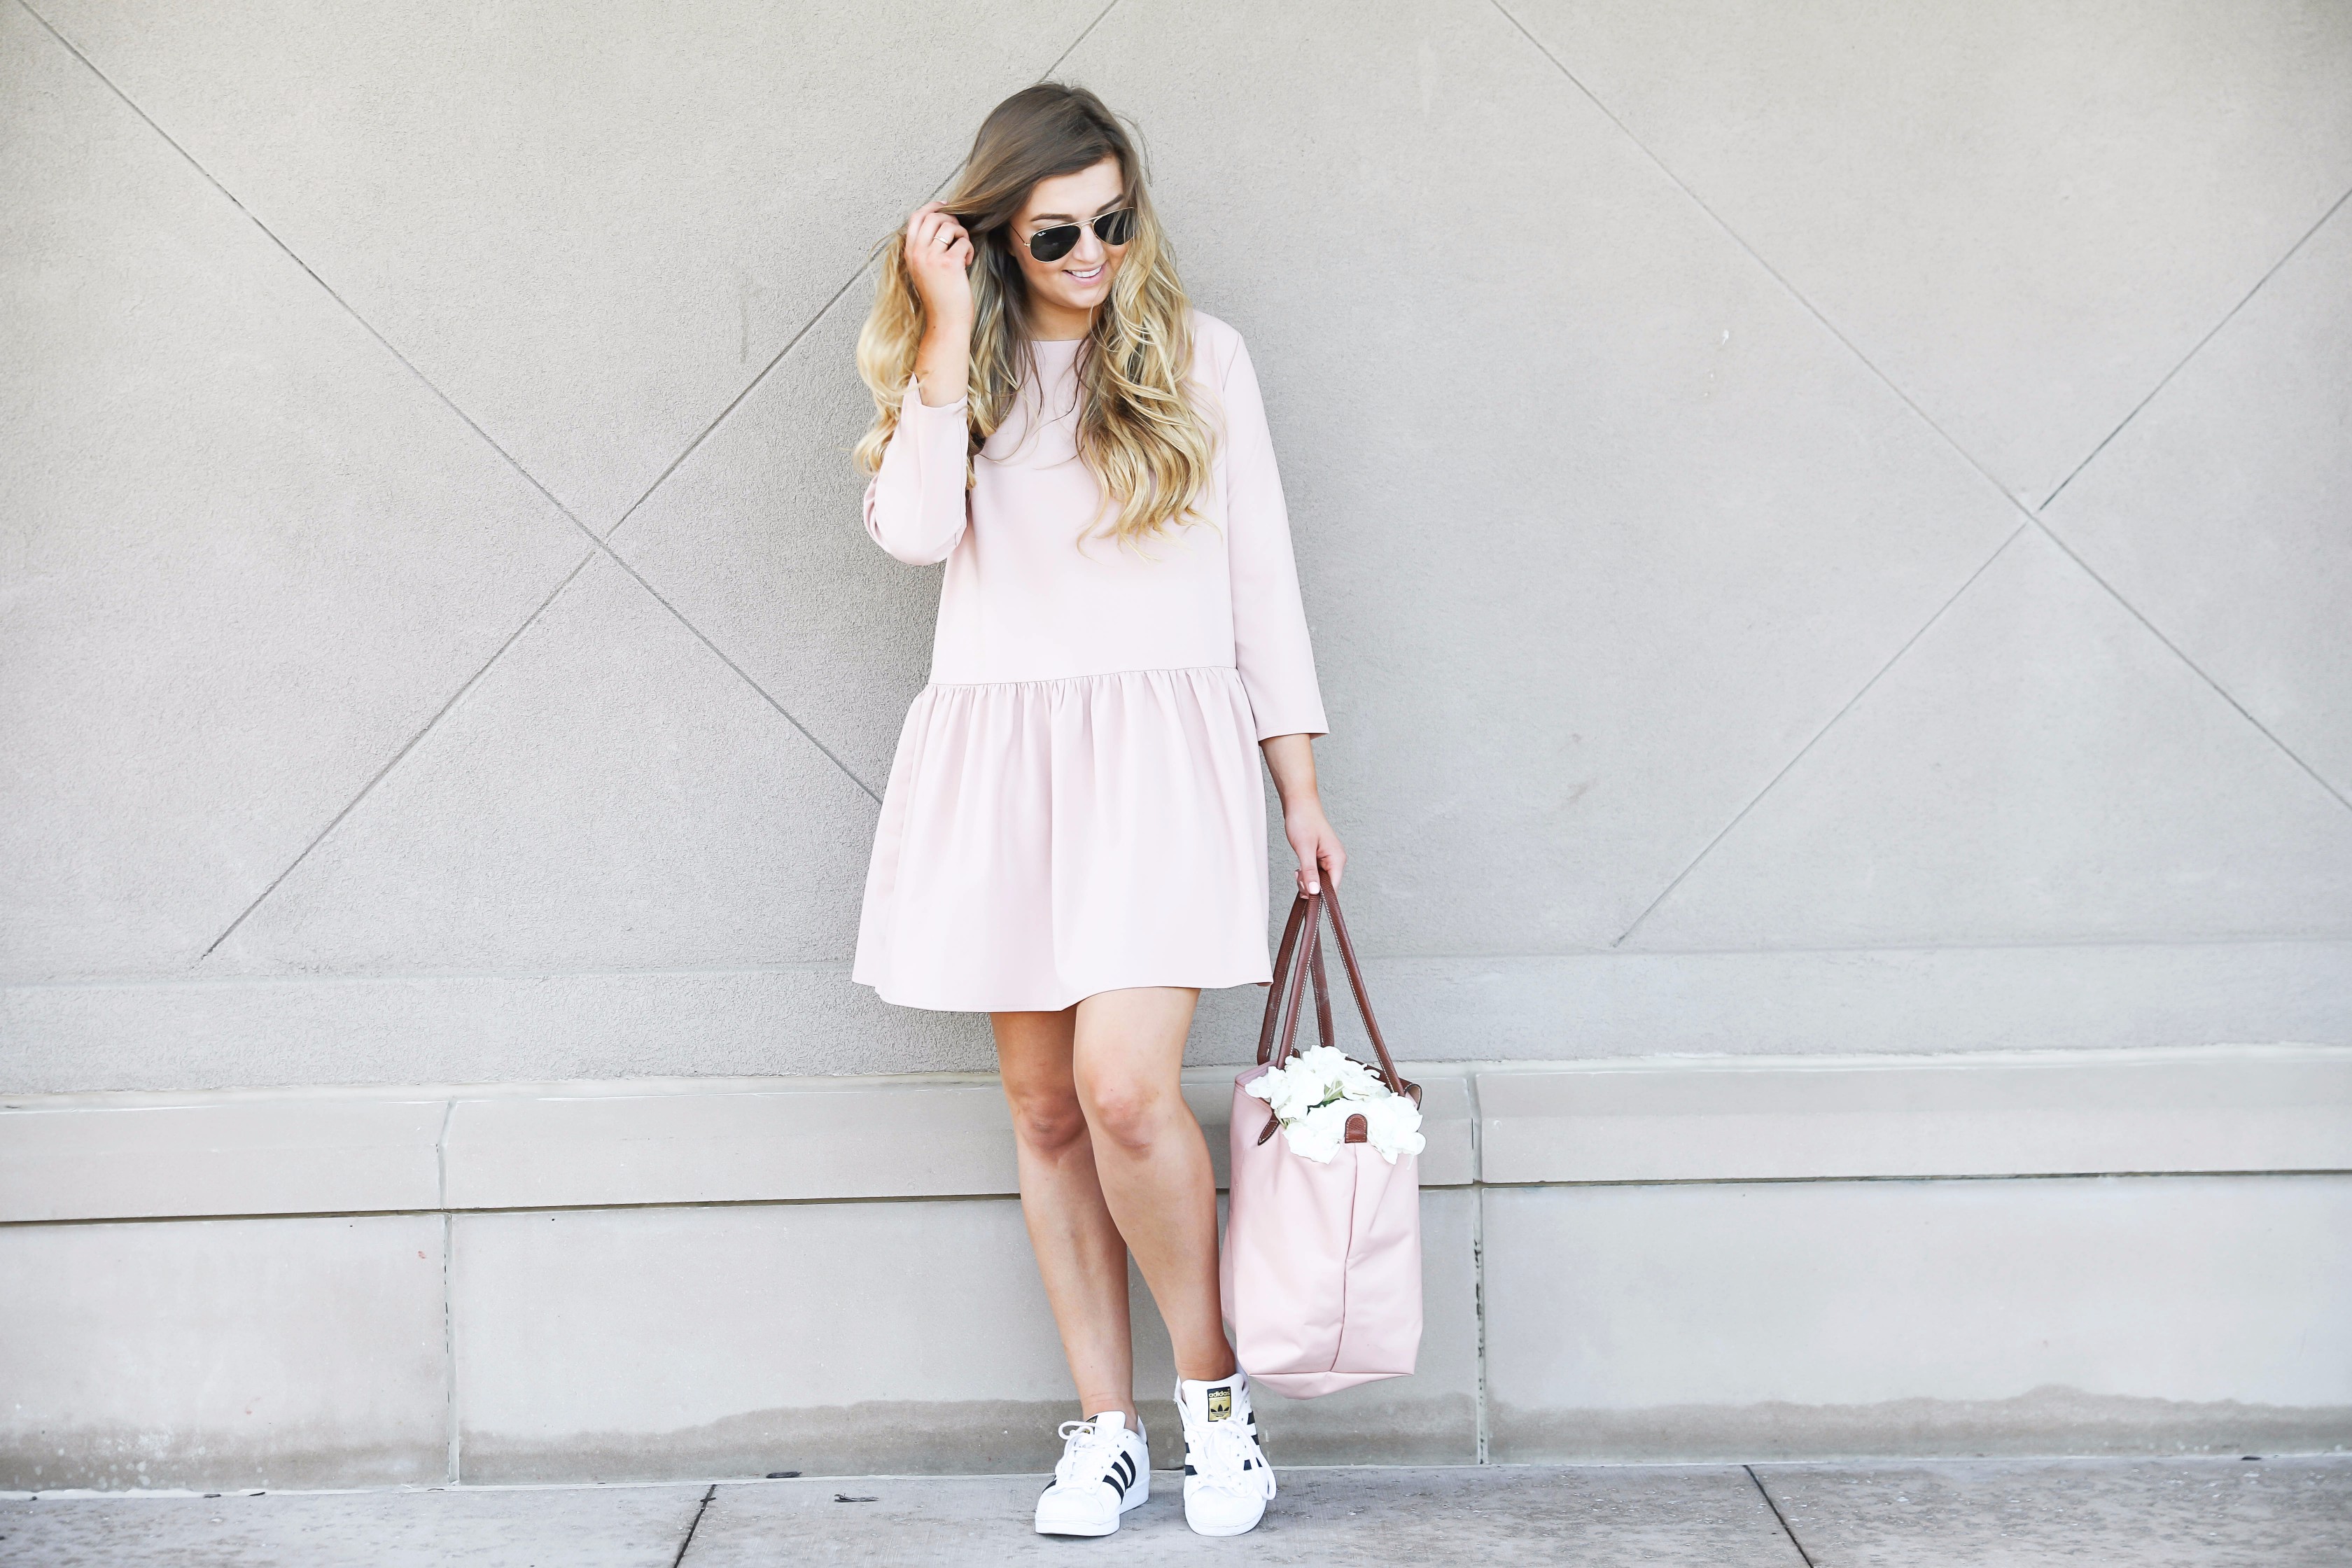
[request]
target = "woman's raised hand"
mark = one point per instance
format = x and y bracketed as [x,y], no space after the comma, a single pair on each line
[939,259]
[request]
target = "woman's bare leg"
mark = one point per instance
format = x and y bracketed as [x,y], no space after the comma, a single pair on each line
[1129,1050]
[1079,1253]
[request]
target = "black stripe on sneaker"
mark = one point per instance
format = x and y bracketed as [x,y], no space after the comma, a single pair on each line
[1122,1474]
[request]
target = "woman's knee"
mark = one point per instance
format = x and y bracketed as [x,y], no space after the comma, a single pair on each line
[1047,1120]
[1130,1115]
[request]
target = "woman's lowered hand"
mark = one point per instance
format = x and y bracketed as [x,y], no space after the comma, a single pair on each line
[1291,760]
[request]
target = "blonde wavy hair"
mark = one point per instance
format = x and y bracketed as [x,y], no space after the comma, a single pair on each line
[1149,447]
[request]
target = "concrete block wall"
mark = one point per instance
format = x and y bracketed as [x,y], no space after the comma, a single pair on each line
[1668,1259]
[1824,528]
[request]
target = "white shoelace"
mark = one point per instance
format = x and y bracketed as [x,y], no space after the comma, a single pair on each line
[1218,1448]
[1087,1451]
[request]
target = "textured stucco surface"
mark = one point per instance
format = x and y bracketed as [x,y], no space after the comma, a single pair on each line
[1799,1319]
[604,1527]
[2181,1513]
[220,1353]
[845,1337]
[1666,1261]
[1824,527]
[2194,1513]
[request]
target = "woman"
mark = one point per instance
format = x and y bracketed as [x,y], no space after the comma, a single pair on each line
[1073,838]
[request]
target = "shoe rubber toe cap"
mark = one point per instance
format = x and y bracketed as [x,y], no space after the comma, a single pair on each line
[1075,1513]
[1217,1513]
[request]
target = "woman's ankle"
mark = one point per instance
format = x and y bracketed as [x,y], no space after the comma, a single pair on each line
[1224,1367]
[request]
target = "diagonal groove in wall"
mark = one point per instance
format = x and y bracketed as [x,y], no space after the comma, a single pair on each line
[809,325]
[2195,349]
[604,542]
[1773,272]
[2052,533]
[732,404]
[2030,513]
[724,658]
[2026,515]
[271,235]
[1861,692]
[601,542]
[484,435]
[2194,668]
[393,761]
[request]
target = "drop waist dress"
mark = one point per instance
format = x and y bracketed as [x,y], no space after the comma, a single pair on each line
[1076,802]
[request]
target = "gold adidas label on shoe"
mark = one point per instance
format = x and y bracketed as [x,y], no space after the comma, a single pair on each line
[1221,1403]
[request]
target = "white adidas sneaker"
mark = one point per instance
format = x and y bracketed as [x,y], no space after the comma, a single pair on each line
[1227,1482]
[1105,1469]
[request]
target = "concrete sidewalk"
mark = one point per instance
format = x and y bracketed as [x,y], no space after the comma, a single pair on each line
[2193,1513]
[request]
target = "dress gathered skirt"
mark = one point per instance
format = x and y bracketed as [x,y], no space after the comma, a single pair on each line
[1075,803]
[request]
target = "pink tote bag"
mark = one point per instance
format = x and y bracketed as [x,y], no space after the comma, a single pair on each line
[1321,1268]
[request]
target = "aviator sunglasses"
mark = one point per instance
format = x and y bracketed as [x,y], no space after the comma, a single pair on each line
[1055,243]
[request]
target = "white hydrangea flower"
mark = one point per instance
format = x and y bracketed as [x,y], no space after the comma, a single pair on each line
[1392,1124]
[1312,1068]
[1357,1081]
[1287,1090]
[1315,1092]
[1318,1134]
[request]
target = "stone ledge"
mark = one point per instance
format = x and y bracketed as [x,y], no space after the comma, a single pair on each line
[811,1141]
[621,1143]
[2185,1111]
[59,1034]
[312,1154]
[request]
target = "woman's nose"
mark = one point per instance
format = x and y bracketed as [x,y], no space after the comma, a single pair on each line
[1090,249]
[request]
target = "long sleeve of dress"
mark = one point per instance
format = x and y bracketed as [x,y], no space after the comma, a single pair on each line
[1270,642]
[915,505]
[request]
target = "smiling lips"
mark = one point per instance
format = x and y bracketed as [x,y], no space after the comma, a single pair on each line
[1086,277]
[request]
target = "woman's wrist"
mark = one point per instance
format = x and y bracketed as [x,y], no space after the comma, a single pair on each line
[949,330]
[1291,760]
[943,364]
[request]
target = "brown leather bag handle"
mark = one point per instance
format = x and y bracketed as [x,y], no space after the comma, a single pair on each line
[1314,971]
[1290,979]
[1305,933]
[1291,993]
[1282,960]
[1312,963]
[1364,1001]
[1284,957]
[1285,997]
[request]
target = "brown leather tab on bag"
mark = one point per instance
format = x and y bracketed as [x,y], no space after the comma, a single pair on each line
[1359,1130]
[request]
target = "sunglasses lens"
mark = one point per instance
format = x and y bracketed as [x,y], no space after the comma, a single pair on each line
[1053,243]
[1116,228]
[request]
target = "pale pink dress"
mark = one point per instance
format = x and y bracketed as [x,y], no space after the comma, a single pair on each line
[1075,803]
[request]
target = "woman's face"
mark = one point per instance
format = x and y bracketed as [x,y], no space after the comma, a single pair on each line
[1081,281]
